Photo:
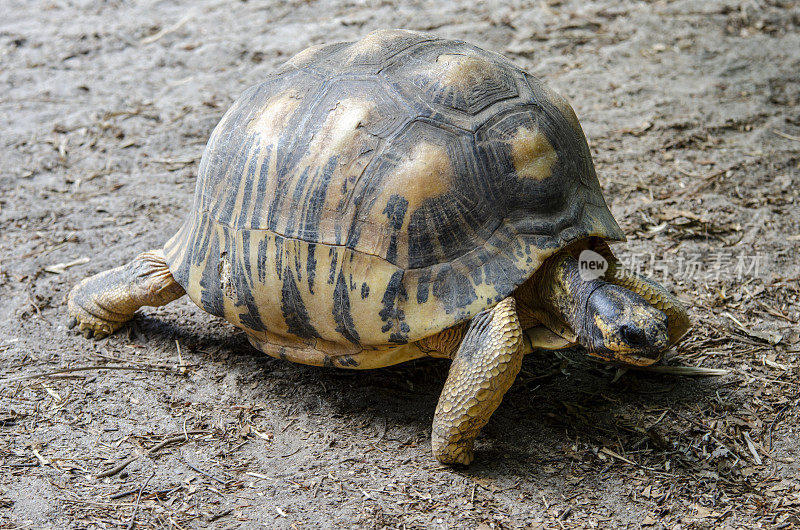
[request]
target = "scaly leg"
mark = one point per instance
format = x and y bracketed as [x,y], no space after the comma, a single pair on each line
[483,369]
[99,305]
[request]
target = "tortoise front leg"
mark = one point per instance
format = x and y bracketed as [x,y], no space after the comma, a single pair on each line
[100,304]
[483,369]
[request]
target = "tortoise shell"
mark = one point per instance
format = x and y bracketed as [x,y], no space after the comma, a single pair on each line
[376,192]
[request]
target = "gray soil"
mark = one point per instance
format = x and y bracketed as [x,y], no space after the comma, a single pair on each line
[691,109]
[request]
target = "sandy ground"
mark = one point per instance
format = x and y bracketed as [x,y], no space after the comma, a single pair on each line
[691,109]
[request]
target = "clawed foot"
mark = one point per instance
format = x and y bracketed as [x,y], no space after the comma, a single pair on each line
[453,452]
[101,304]
[88,324]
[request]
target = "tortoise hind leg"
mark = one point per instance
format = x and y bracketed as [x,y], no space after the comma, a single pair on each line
[483,369]
[101,304]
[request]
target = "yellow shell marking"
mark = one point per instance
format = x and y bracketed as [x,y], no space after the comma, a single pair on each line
[426,174]
[463,71]
[376,42]
[532,154]
[270,121]
[306,56]
[336,135]
[433,162]
[344,135]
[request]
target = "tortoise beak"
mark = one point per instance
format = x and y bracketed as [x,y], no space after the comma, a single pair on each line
[627,359]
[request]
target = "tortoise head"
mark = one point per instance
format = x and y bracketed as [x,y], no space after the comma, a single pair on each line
[619,325]
[612,322]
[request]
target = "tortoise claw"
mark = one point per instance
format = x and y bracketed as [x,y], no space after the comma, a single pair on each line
[72,322]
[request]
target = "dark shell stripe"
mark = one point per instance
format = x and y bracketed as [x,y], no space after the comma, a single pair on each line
[234,281]
[347,207]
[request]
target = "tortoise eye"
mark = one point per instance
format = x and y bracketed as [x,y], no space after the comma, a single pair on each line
[633,335]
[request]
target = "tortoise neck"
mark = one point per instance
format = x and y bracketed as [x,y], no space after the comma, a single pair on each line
[561,293]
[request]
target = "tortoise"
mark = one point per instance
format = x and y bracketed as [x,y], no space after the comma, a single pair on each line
[398,197]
